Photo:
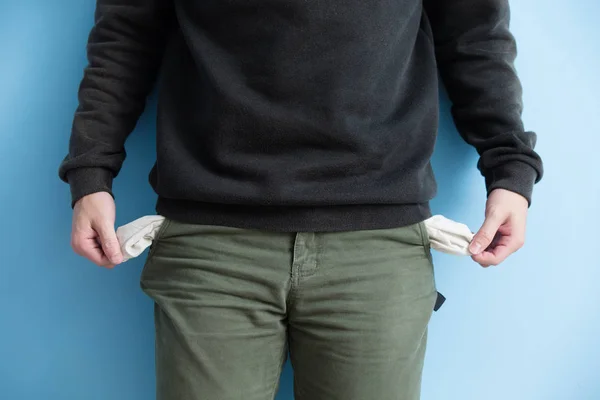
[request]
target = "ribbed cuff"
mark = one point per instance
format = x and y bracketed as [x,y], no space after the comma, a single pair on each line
[516,176]
[84,181]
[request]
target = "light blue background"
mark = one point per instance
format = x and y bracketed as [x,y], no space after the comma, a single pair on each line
[528,330]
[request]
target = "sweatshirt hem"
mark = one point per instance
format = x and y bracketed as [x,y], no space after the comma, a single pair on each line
[295,218]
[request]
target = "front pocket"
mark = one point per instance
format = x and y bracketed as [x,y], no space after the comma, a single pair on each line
[161,231]
[427,248]
[426,241]
[152,251]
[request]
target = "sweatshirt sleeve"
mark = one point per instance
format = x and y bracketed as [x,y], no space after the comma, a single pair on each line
[124,51]
[475,51]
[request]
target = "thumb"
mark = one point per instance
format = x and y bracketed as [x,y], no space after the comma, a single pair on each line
[110,243]
[486,234]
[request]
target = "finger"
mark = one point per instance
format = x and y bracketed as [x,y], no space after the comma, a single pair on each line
[504,247]
[513,241]
[104,261]
[110,245]
[493,256]
[484,237]
[97,257]
[89,248]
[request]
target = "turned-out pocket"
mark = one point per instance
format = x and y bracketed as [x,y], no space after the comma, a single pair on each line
[157,238]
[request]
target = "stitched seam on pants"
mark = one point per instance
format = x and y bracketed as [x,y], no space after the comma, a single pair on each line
[159,235]
[425,240]
[294,274]
[427,244]
[152,251]
[318,249]
[314,259]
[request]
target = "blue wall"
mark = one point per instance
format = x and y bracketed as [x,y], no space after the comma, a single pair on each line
[525,331]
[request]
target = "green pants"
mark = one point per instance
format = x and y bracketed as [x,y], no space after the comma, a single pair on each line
[351,308]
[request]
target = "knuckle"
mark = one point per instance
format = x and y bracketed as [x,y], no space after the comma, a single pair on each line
[76,243]
[500,260]
[486,236]
[110,252]
[109,244]
[89,254]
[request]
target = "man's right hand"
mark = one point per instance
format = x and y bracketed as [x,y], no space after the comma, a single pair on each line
[93,233]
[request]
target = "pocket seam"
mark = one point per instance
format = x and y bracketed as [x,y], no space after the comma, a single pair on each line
[426,241]
[159,235]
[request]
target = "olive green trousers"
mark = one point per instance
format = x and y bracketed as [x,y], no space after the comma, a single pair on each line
[350,308]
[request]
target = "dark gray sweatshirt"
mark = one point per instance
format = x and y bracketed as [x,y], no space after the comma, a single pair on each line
[299,115]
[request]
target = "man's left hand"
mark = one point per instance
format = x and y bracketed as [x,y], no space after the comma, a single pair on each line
[503,231]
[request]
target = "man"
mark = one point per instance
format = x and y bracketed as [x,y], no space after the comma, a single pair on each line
[294,139]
